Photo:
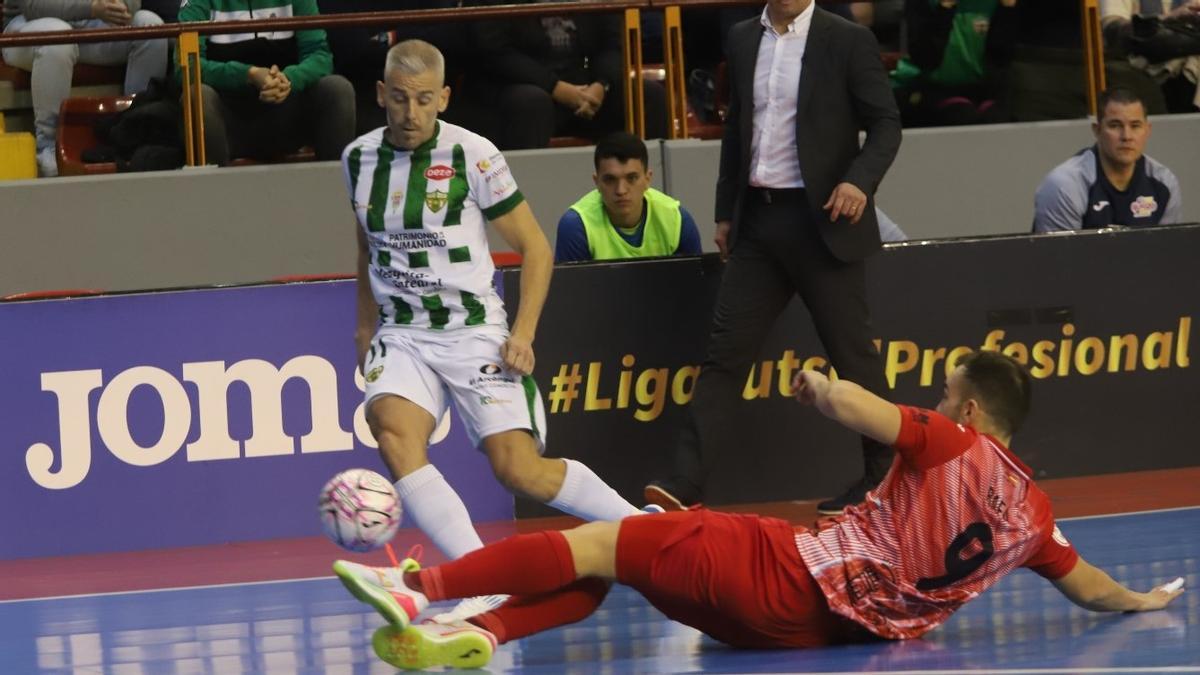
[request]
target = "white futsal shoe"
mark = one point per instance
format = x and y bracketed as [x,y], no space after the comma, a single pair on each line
[383,588]
[469,607]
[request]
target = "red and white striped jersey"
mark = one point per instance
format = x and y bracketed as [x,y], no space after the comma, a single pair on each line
[956,512]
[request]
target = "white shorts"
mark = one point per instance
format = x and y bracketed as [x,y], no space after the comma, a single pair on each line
[430,369]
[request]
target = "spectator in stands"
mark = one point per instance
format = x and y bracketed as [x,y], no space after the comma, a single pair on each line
[1112,182]
[1170,56]
[945,78]
[1042,55]
[359,52]
[624,217]
[51,66]
[557,75]
[267,94]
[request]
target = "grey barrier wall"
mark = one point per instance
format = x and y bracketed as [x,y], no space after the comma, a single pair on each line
[961,181]
[222,226]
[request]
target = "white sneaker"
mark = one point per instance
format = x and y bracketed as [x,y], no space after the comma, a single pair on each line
[383,588]
[47,163]
[469,607]
[460,645]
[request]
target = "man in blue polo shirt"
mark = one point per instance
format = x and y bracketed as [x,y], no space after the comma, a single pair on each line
[624,217]
[1113,182]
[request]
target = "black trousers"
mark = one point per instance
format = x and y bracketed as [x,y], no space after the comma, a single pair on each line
[530,116]
[779,253]
[237,124]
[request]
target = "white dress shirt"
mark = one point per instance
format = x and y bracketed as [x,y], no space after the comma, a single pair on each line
[773,159]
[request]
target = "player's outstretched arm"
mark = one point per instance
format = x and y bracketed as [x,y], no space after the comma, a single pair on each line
[849,404]
[520,229]
[1092,589]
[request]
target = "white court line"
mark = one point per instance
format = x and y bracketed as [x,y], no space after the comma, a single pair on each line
[1026,671]
[1131,513]
[164,590]
[286,581]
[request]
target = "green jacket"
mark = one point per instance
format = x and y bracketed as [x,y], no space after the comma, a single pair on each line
[966,40]
[225,60]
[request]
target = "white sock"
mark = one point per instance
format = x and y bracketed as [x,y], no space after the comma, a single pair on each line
[584,495]
[438,510]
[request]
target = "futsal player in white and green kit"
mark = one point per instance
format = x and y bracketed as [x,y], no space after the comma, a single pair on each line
[431,327]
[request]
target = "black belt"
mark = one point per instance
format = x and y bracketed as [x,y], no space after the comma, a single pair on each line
[768,195]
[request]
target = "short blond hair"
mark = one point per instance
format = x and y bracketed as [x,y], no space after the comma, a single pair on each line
[415,57]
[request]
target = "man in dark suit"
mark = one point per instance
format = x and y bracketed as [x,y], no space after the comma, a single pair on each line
[795,214]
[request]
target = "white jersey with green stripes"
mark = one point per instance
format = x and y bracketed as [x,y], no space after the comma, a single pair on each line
[424,213]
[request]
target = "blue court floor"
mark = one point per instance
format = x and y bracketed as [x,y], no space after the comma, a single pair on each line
[312,626]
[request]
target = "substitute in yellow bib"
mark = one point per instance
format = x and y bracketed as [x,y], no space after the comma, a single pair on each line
[624,217]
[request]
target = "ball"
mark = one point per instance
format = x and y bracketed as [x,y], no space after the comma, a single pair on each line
[359,510]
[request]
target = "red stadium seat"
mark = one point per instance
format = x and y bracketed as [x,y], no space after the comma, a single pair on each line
[569,141]
[76,132]
[58,293]
[711,130]
[304,154]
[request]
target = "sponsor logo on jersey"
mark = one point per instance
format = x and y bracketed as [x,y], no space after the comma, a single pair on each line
[439,172]
[397,200]
[1099,206]
[1143,207]
[483,165]
[501,171]
[1058,537]
[996,502]
[492,400]
[374,374]
[490,369]
[436,200]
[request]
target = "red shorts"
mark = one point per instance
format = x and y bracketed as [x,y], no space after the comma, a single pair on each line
[737,578]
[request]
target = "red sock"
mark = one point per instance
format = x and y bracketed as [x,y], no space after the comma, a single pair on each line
[527,615]
[527,564]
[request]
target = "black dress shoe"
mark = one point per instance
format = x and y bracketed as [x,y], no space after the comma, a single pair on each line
[672,494]
[855,494]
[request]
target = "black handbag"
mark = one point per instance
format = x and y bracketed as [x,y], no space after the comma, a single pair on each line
[1160,39]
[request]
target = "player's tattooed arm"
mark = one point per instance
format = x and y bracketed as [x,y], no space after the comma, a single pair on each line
[849,404]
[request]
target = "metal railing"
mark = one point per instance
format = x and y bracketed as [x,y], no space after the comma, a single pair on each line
[187,35]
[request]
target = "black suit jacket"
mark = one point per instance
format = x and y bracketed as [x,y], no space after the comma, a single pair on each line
[843,88]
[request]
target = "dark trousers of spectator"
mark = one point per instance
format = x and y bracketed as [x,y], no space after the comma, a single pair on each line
[1180,93]
[530,117]
[238,125]
[778,254]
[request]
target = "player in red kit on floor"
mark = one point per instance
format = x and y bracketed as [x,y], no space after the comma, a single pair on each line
[956,512]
